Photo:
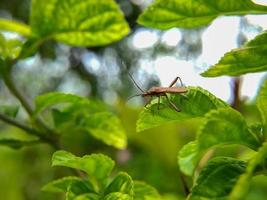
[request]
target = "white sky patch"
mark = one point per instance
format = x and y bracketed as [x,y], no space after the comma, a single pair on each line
[172,37]
[261,2]
[219,38]
[251,83]
[260,20]
[144,39]
[168,68]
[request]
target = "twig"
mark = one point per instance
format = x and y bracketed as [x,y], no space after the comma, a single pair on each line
[29,130]
[51,136]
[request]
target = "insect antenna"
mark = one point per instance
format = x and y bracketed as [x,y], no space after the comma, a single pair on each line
[136,84]
[136,95]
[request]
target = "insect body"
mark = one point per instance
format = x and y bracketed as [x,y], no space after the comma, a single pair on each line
[162,91]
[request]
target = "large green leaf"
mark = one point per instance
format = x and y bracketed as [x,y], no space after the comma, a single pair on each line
[122,183]
[98,166]
[262,102]
[165,14]
[241,188]
[249,58]
[222,126]
[143,191]
[217,178]
[13,26]
[195,103]
[79,22]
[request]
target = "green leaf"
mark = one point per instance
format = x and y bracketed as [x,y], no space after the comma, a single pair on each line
[195,103]
[222,126]
[241,188]
[9,110]
[107,128]
[164,14]
[80,23]
[143,191]
[247,59]
[47,100]
[95,165]
[17,143]
[217,178]
[117,196]
[13,26]
[75,184]
[88,196]
[262,102]
[76,113]
[122,183]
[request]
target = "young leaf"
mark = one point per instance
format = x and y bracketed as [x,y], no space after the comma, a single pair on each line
[195,103]
[143,191]
[73,183]
[117,195]
[262,102]
[96,165]
[9,110]
[242,186]
[222,126]
[164,14]
[249,58]
[122,183]
[217,178]
[13,26]
[80,23]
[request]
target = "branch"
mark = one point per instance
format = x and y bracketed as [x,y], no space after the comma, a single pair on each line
[8,120]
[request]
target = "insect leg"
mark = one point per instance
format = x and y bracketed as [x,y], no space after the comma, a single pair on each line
[175,80]
[158,102]
[172,104]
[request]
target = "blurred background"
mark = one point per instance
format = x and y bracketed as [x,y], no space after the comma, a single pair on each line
[153,58]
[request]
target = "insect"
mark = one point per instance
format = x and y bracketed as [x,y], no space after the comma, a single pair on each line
[162,91]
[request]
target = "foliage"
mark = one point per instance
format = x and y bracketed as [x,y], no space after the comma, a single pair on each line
[97,184]
[95,23]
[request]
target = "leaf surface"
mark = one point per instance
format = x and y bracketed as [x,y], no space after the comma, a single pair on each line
[217,178]
[80,22]
[247,59]
[95,165]
[221,127]
[162,14]
[195,103]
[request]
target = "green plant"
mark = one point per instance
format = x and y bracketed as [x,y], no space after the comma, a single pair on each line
[97,183]
[221,177]
[94,23]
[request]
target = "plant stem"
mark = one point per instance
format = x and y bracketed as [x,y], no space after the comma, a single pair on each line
[14,90]
[51,137]
[29,130]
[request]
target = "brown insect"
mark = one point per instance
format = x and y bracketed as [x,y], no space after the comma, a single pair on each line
[162,91]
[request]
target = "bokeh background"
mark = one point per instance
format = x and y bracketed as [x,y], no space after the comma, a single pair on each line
[153,57]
